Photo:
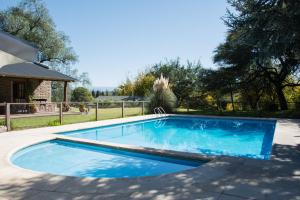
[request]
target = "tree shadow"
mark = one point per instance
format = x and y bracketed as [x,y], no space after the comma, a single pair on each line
[224,178]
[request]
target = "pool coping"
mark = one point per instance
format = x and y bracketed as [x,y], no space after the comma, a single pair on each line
[56,132]
[284,134]
[160,152]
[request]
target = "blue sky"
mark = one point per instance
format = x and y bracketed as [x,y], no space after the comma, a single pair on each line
[115,39]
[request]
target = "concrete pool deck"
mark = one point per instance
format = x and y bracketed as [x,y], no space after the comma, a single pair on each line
[222,178]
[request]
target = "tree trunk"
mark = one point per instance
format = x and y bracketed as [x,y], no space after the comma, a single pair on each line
[281,98]
[231,96]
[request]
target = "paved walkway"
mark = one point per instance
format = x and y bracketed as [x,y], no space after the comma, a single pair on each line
[221,179]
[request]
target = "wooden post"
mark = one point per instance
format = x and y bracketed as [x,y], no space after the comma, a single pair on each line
[123,105]
[143,108]
[65,91]
[7,116]
[97,107]
[61,113]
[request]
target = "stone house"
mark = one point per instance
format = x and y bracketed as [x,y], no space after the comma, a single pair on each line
[22,77]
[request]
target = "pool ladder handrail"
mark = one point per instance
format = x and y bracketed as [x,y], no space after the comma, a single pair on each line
[159,111]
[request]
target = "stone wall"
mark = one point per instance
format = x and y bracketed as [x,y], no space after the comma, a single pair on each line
[41,89]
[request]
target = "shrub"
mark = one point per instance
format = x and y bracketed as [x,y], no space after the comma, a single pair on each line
[33,108]
[81,94]
[163,96]
[66,107]
[82,108]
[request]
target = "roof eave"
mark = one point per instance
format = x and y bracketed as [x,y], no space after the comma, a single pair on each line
[38,78]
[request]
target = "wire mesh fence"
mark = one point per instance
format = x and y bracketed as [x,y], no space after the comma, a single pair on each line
[14,116]
[238,106]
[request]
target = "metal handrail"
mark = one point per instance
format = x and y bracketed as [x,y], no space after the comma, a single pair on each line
[162,110]
[159,111]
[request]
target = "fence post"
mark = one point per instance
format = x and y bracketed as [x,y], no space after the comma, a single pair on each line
[7,117]
[123,108]
[143,108]
[97,107]
[60,113]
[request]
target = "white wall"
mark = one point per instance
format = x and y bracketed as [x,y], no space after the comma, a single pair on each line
[6,59]
[15,50]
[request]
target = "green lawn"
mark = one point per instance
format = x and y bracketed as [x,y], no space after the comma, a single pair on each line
[278,114]
[2,122]
[103,113]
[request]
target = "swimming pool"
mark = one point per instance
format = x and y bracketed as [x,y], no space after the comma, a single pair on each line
[210,136]
[75,159]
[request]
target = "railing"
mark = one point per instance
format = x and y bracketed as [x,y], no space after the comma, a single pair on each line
[159,111]
[29,115]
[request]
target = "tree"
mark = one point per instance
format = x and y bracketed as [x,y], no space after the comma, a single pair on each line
[98,93]
[183,78]
[94,93]
[222,81]
[81,94]
[266,36]
[127,88]
[143,85]
[30,20]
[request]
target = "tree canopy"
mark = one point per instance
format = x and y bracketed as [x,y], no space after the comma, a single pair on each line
[30,20]
[263,43]
[81,94]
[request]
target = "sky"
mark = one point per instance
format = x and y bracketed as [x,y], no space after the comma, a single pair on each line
[116,39]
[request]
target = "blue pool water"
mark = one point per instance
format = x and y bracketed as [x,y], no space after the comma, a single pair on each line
[75,159]
[233,137]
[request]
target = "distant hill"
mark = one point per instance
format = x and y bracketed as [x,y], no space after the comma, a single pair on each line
[103,88]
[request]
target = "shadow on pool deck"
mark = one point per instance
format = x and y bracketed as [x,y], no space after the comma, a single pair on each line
[227,178]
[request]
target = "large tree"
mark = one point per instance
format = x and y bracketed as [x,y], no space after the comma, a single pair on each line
[183,78]
[264,41]
[30,20]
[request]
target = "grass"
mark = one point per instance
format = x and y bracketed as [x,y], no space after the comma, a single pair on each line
[293,114]
[2,122]
[103,113]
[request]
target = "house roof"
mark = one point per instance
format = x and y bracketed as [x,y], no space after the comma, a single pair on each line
[34,71]
[17,47]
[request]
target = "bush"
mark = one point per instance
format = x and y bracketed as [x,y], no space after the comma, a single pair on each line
[66,107]
[165,99]
[163,96]
[82,108]
[81,94]
[33,108]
